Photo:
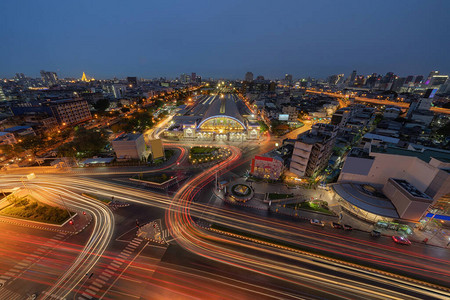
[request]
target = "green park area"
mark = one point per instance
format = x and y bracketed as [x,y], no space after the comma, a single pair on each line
[321,207]
[203,154]
[277,196]
[29,208]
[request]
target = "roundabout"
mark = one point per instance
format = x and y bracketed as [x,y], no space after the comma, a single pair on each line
[241,192]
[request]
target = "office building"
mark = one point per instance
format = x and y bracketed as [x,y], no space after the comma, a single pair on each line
[66,111]
[7,138]
[49,78]
[130,146]
[313,149]
[249,76]
[288,79]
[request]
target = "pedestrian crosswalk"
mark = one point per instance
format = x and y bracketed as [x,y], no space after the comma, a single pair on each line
[112,270]
[22,266]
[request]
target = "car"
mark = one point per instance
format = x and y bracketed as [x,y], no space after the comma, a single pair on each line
[316,222]
[347,227]
[375,233]
[401,240]
[336,225]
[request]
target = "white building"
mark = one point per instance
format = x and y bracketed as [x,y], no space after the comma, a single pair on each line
[411,179]
[130,146]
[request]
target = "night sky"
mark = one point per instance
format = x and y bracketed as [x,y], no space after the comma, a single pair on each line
[224,38]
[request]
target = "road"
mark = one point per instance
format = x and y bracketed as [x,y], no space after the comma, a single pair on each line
[439,110]
[264,269]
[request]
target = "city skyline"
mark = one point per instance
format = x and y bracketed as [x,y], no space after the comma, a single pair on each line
[225,40]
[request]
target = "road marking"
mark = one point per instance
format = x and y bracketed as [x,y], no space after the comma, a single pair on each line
[123,256]
[81,298]
[112,268]
[90,292]
[86,296]
[103,278]
[94,288]
[5,277]
[130,247]
[115,265]
[23,264]
[10,274]
[109,271]
[97,284]
[135,243]
[19,267]
[127,251]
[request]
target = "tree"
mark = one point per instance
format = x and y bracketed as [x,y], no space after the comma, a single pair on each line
[101,105]
[32,143]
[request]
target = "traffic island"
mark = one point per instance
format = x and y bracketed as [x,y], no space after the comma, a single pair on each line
[30,209]
[241,193]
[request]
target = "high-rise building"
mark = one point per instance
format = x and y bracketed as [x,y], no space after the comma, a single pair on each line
[249,76]
[313,149]
[193,77]
[409,79]
[260,78]
[437,80]
[432,73]
[398,83]
[132,81]
[352,77]
[49,78]
[2,94]
[418,79]
[288,78]
[184,78]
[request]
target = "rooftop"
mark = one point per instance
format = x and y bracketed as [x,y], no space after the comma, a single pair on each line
[424,154]
[128,137]
[368,199]
[16,128]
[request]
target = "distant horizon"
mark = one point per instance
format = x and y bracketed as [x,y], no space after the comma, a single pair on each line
[37,76]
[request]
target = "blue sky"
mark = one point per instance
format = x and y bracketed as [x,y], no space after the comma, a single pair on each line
[224,38]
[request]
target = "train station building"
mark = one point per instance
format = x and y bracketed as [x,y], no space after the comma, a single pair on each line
[216,118]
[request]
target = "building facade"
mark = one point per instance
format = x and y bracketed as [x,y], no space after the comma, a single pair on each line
[313,149]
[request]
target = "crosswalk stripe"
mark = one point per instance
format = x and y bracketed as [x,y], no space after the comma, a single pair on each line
[127,251]
[109,272]
[97,284]
[86,296]
[5,277]
[103,278]
[112,268]
[90,291]
[95,289]
[10,274]
[81,298]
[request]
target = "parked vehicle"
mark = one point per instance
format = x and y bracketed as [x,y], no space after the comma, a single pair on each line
[336,225]
[347,227]
[401,240]
[375,233]
[316,222]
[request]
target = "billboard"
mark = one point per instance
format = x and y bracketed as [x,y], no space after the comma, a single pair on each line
[157,149]
[283,117]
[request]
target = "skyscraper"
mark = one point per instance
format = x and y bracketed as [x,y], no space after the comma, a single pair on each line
[352,77]
[49,78]
[288,78]
[249,76]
